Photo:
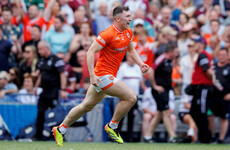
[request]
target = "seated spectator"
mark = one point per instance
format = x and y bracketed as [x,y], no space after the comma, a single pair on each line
[29,62]
[149,108]
[183,19]
[26,94]
[79,19]
[58,39]
[153,14]
[136,4]
[176,76]
[14,74]
[35,38]
[6,88]
[6,48]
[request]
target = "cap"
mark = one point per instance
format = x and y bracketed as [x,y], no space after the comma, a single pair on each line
[168,30]
[200,39]
[187,27]
[138,21]
[4,75]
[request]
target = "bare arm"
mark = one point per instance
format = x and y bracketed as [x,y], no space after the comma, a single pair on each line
[47,12]
[94,48]
[75,44]
[142,84]
[63,80]
[134,55]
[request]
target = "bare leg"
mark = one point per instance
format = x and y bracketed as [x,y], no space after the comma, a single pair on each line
[153,124]
[146,123]
[189,121]
[223,128]
[211,124]
[167,123]
[173,122]
[127,96]
[92,99]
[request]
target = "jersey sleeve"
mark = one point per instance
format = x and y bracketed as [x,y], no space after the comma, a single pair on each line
[59,64]
[203,62]
[104,38]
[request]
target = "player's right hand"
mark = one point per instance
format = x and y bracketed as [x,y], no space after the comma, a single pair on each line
[159,89]
[94,80]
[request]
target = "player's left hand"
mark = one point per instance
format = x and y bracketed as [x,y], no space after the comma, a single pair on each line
[144,68]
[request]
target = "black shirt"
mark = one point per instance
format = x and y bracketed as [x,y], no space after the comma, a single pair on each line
[50,69]
[163,72]
[223,75]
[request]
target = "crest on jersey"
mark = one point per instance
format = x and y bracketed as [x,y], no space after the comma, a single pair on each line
[128,35]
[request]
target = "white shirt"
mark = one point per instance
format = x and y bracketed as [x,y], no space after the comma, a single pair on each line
[28,99]
[131,75]
[69,11]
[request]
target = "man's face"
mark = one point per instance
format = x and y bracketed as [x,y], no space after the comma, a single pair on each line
[3,82]
[33,12]
[41,50]
[6,15]
[125,18]
[222,56]
[166,15]
[58,24]
[35,33]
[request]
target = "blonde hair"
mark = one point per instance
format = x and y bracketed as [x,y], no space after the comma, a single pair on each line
[33,49]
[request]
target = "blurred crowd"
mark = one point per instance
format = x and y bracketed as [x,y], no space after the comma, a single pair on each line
[70,27]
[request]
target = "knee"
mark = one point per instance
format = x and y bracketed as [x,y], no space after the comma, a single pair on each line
[147,117]
[133,98]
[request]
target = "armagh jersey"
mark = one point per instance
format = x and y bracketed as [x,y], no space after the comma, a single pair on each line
[115,44]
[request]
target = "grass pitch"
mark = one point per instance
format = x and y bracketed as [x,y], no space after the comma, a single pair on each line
[9,145]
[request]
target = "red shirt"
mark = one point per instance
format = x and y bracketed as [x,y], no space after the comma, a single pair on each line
[203,63]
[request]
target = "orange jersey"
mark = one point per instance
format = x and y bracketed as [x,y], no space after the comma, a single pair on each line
[115,44]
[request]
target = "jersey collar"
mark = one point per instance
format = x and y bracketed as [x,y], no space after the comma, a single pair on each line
[115,27]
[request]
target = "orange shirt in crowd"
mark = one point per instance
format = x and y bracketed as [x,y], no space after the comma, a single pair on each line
[176,74]
[146,51]
[27,24]
[115,44]
[207,37]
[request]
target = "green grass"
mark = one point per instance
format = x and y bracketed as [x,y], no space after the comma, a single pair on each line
[8,145]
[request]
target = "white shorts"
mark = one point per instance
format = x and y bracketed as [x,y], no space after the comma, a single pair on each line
[107,81]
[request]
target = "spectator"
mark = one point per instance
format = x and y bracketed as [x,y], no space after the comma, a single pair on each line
[58,39]
[176,76]
[136,4]
[202,12]
[220,100]
[184,39]
[139,18]
[183,19]
[30,20]
[145,47]
[79,19]
[172,4]
[206,28]
[6,48]
[52,78]
[65,7]
[149,108]
[26,94]
[14,74]
[102,17]
[85,36]
[165,35]
[187,7]
[29,62]
[9,29]
[154,13]
[161,81]
[5,87]
[35,38]
[66,27]
[214,26]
